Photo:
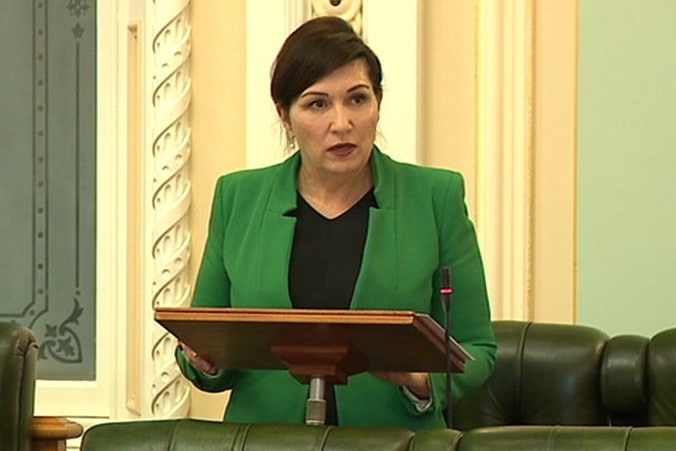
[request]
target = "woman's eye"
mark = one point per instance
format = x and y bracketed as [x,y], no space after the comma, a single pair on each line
[359,99]
[317,104]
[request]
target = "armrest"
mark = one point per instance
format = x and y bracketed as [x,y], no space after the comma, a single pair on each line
[51,433]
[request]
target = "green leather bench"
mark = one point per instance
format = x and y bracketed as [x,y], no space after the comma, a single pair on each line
[562,374]
[189,435]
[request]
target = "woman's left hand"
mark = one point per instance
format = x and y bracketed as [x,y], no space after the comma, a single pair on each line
[417,383]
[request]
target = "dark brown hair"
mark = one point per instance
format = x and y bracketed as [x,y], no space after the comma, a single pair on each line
[314,50]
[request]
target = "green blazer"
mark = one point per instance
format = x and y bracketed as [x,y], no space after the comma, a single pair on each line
[420,225]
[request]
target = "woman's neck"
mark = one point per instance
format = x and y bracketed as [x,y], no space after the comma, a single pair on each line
[333,196]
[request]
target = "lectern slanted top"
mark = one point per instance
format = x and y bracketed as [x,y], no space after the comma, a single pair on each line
[330,343]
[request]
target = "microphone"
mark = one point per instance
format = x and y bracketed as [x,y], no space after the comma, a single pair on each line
[446,292]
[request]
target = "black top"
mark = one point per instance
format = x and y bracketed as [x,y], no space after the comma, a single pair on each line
[327,254]
[325,261]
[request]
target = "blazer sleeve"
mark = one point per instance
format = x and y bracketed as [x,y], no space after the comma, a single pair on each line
[470,310]
[212,286]
[212,289]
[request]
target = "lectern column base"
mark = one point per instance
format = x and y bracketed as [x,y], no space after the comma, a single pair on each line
[315,413]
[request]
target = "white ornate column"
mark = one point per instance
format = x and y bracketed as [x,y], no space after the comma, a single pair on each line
[170,197]
[505,127]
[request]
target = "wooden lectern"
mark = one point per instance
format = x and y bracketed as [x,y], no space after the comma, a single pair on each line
[315,346]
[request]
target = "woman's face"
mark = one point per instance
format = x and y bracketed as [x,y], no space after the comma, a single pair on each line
[334,121]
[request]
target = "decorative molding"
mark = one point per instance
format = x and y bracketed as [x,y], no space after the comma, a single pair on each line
[171,192]
[505,127]
[348,10]
[135,255]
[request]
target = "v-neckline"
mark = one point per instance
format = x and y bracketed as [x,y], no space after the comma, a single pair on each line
[356,206]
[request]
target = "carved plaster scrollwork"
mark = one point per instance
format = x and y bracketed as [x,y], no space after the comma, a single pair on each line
[171,192]
[349,10]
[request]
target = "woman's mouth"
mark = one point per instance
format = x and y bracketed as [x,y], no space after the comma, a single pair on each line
[342,148]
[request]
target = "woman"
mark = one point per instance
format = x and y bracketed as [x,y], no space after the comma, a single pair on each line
[340,225]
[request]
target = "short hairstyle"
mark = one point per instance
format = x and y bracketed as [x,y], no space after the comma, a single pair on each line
[314,50]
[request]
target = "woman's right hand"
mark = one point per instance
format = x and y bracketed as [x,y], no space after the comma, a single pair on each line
[203,364]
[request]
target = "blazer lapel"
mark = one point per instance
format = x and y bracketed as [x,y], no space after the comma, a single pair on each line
[276,238]
[378,276]
[272,267]
[380,265]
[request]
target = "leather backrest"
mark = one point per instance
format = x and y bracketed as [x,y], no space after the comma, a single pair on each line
[624,380]
[545,374]
[580,438]
[18,360]
[188,435]
[194,435]
[565,374]
[662,379]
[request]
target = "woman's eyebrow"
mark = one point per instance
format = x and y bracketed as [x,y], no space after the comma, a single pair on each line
[321,93]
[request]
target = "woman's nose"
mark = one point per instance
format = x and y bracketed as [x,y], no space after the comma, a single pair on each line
[342,121]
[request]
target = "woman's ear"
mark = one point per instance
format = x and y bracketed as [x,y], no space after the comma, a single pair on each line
[283,114]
